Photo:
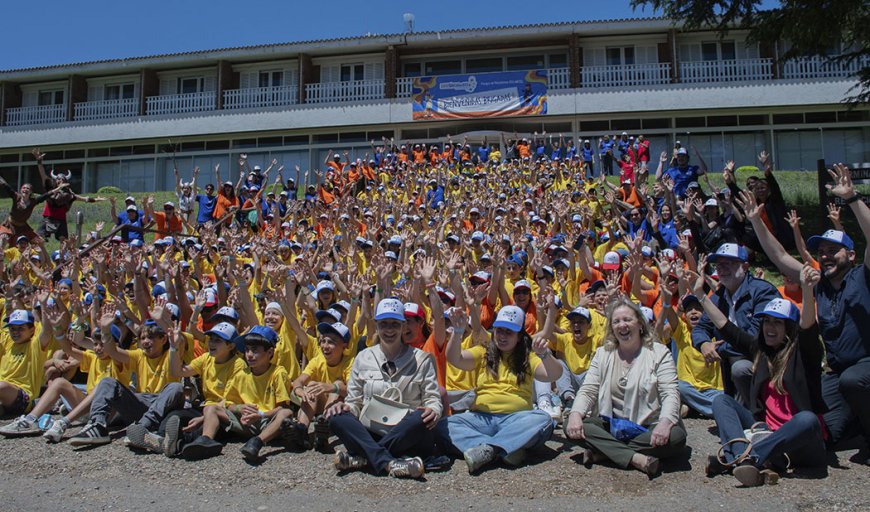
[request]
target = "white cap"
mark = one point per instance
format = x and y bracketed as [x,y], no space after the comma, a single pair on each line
[390,309]
[510,317]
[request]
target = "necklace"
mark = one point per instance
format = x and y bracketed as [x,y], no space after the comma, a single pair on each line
[625,369]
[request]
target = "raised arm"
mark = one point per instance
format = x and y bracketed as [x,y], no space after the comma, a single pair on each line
[843,188]
[771,246]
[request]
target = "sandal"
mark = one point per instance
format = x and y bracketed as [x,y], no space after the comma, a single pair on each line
[651,467]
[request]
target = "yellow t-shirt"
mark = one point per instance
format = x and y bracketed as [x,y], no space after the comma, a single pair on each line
[690,362]
[99,369]
[21,363]
[460,380]
[577,356]
[266,391]
[285,351]
[320,371]
[152,374]
[502,394]
[215,376]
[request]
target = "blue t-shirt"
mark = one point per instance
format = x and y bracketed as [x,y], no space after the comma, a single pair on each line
[206,207]
[483,153]
[122,217]
[682,178]
[843,314]
[606,146]
[588,153]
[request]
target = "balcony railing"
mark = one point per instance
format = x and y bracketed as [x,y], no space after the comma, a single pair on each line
[404,87]
[740,70]
[331,92]
[106,109]
[627,75]
[256,97]
[181,103]
[559,78]
[821,67]
[22,116]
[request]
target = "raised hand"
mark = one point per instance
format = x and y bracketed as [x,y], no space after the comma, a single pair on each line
[842,186]
[793,219]
[810,277]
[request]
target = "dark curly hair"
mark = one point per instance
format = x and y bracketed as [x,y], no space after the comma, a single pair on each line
[518,362]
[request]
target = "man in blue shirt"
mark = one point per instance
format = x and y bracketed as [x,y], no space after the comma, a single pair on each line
[605,151]
[121,218]
[842,305]
[589,158]
[682,173]
[207,203]
[435,195]
[728,331]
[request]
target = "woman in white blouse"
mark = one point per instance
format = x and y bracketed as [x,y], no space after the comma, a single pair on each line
[633,378]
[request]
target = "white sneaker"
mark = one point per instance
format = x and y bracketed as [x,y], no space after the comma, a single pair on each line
[55,432]
[554,411]
[21,426]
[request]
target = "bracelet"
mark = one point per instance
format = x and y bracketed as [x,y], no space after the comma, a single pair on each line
[546,355]
[337,389]
[459,330]
[853,199]
[430,285]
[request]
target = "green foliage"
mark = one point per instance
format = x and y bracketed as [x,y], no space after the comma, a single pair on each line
[810,27]
[109,190]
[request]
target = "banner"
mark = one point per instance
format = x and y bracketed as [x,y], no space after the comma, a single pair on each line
[510,93]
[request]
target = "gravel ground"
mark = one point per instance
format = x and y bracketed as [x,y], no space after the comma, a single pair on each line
[37,476]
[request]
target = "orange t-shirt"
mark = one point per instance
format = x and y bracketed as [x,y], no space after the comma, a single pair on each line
[223,204]
[174,227]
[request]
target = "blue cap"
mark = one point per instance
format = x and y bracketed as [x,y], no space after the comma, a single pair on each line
[780,308]
[224,331]
[510,317]
[390,309]
[337,328]
[730,251]
[579,312]
[833,236]
[328,315]
[20,317]
[264,332]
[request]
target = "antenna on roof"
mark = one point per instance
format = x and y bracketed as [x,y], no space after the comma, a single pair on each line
[408,18]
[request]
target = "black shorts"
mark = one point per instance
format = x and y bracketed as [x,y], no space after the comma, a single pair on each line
[20,405]
[55,227]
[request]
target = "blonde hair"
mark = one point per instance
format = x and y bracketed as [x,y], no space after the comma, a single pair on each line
[647,337]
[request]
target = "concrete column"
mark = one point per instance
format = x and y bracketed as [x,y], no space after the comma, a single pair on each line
[78,92]
[575,60]
[306,72]
[149,85]
[674,55]
[227,79]
[391,71]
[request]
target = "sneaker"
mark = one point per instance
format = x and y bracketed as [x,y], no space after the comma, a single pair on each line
[684,410]
[251,450]
[21,426]
[294,434]
[93,434]
[516,458]
[171,436]
[55,432]
[201,448]
[479,456]
[140,437]
[344,461]
[407,468]
[321,433]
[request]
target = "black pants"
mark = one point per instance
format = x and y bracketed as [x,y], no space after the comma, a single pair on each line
[409,437]
[847,396]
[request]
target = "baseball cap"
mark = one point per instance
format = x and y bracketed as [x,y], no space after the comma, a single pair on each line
[224,331]
[682,151]
[480,277]
[261,334]
[477,235]
[510,317]
[522,283]
[342,304]
[390,255]
[833,236]
[225,313]
[20,317]
[579,311]
[712,202]
[413,310]
[324,285]
[648,313]
[729,250]
[612,260]
[446,294]
[780,308]
[132,208]
[390,309]
[328,315]
[337,328]
[690,299]
[210,297]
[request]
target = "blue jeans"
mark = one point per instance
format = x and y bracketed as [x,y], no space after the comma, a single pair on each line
[506,432]
[800,437]
[847,396]
[701,401]
[409,437]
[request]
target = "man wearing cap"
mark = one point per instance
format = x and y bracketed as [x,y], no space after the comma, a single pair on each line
[843,308]
[169,223]
[132,216]
[728,330]
[23,350]
[682,173]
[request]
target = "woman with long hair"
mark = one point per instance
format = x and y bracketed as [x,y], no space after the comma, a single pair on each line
[628,408]
[783,425]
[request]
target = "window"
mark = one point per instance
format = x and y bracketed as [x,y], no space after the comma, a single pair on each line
[718,50]
[50,98]
[352,72]
[271,78]
[190,85]
[119,92]
[484,65]
[413,69]
[525,63]
[444,67]
[618,56]
[558,60]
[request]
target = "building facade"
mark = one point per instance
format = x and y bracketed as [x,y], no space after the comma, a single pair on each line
[129,122]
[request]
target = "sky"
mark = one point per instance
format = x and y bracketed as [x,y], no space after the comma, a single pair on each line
[46,32]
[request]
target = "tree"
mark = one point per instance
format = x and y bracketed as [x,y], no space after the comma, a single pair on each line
[812,27]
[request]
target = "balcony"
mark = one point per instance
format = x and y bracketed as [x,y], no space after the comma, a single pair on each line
[820,67]
[336,92]
[257,97]
[181,103]
[628,75]
[713,71]
[23,116]
[558,78]
[106,109]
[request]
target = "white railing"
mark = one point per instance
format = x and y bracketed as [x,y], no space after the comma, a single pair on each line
[404,86]
[21,116]
[180,103]
[740,70]
[821,67]
[261,97]
[626,75]
[106,109]
[330,92]
[559,78]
